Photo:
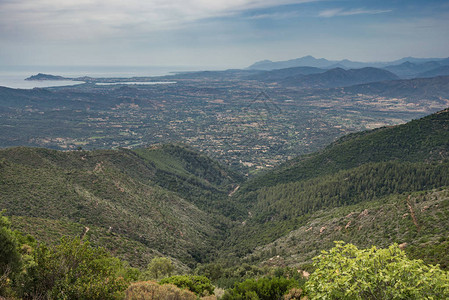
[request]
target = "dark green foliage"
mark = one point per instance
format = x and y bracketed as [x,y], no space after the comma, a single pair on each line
[71,270]
[182,161]
[263,288]
[379,222]
[226,277]
[435,253]
[199,285]
[284,207]
[364,183]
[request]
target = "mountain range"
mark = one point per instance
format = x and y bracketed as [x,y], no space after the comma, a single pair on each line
[417,70]
[310,61]
[309,72]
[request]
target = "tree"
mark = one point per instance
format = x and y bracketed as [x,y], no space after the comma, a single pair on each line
[159,267]
[345,272]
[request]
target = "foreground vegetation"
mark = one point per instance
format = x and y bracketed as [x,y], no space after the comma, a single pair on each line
[75,270]
[346,272]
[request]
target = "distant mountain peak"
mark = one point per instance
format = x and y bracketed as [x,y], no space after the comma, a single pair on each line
[311,61]
[305,61]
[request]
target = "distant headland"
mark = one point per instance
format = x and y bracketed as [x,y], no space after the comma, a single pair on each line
[42,76]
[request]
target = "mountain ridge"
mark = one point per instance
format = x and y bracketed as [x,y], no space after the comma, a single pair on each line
[310,61]
[339,77]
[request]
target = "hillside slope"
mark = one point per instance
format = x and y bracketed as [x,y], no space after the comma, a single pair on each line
[357,169]
[282,74]
[153,202]
[417,222]
[339,77]
[414,90]
[440,71]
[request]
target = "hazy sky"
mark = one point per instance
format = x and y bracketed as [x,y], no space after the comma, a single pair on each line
[218,33]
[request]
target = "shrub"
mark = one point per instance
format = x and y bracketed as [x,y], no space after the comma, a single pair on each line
[294,294]
[346,272]
[74,270]
[9,253]
[199,285]
[149,290]
[264,288]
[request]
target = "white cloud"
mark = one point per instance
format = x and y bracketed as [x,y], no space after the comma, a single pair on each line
[72,19]
[330,12]
[275,16]
[341,12]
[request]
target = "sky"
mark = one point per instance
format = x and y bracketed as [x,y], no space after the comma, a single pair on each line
[218,33]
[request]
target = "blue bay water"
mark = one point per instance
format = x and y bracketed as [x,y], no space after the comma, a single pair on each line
[14,76]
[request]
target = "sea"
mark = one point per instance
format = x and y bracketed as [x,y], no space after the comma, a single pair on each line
[14,76]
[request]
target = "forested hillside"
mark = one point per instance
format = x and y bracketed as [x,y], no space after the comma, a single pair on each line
[417,221]
[356,169]
[162,199]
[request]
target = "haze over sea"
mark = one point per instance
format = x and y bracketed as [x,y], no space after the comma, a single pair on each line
[14,76]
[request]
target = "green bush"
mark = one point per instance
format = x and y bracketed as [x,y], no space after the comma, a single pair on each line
[74,270]
[265,288]
[345,272]
[199,285]
[9,254]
